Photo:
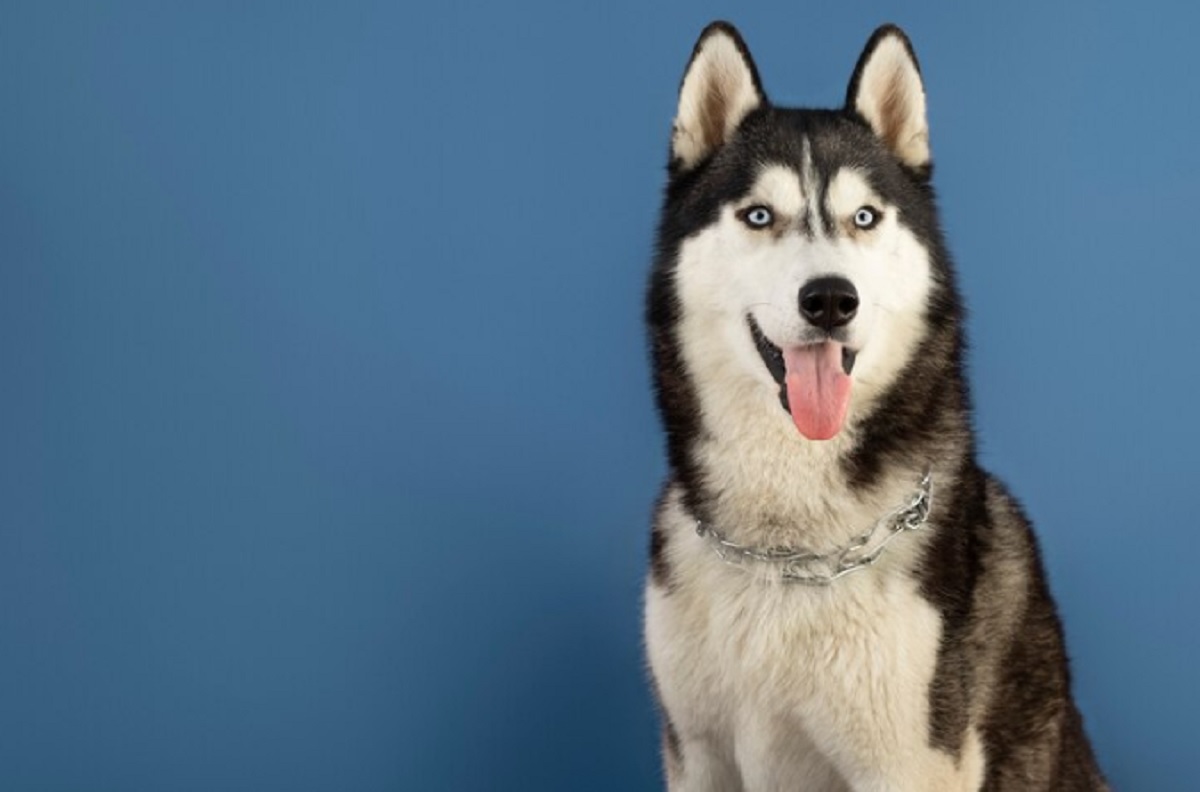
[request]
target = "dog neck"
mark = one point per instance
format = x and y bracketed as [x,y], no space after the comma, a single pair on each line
[822,567]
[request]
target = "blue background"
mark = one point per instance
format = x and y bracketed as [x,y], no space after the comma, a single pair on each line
[326,442]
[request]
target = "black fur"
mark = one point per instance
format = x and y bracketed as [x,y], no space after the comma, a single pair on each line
[983,538]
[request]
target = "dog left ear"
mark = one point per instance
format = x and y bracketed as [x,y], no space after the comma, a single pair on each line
[720,88]
[886,92]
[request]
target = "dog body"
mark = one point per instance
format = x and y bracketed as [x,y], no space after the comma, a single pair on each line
[806,334]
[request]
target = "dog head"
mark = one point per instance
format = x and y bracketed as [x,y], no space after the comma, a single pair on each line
[799,254]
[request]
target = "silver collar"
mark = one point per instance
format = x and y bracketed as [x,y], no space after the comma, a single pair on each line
[810,568]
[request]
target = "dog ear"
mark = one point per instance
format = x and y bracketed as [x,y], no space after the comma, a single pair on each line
[886,92]
[720,88]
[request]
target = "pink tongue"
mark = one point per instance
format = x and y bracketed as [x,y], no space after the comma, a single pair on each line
[818,389]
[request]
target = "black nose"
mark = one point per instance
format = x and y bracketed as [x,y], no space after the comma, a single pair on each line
[829,302]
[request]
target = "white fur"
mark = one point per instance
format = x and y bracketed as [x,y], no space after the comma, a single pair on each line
[773,686]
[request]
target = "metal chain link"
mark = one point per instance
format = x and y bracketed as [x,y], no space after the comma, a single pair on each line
[810,568]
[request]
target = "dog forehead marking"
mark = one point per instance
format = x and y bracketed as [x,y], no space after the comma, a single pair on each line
[793,193]
[797,195]
[848,191]
[810,185]
[778,186]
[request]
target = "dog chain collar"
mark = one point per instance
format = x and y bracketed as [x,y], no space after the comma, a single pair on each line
[809,568]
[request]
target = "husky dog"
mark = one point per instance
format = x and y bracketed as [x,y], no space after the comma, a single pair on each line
[839,598]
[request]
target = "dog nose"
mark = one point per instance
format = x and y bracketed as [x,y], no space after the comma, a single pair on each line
[828,302]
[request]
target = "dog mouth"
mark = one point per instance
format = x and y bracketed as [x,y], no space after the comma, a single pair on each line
[814,381]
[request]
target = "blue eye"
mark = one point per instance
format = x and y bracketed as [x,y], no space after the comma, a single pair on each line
[867,217]
[758,217]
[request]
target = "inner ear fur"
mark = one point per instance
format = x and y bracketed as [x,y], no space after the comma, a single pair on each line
[886,91]
[720,88]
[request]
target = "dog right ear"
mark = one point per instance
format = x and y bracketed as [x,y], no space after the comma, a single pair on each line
[886,91]
[720,88]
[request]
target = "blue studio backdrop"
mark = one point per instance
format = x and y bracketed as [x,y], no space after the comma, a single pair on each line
[326,440]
